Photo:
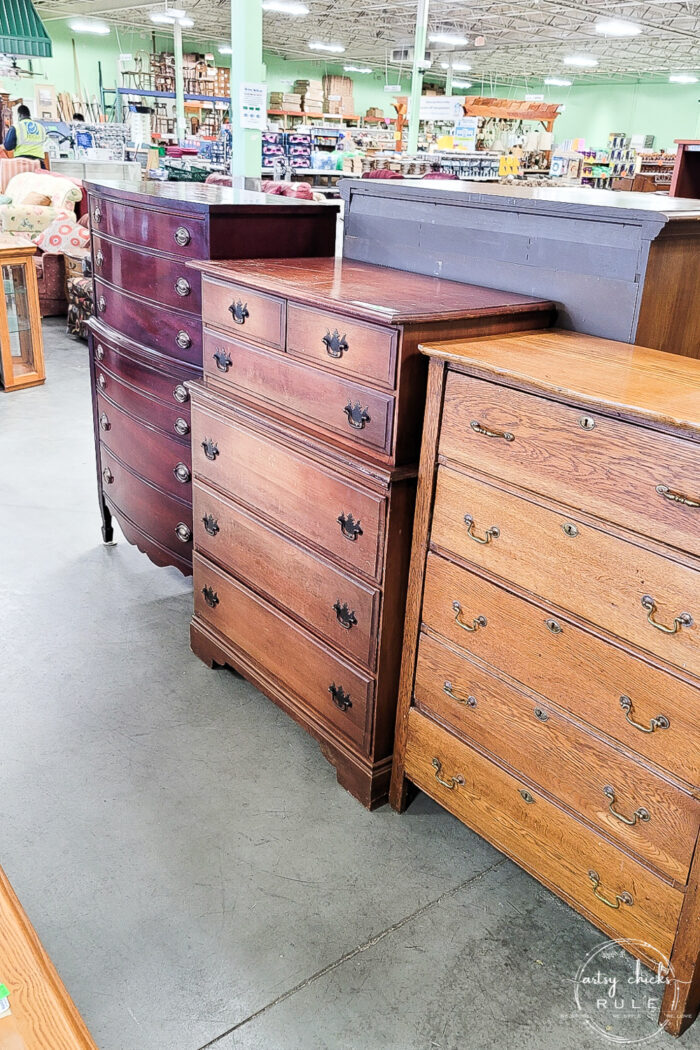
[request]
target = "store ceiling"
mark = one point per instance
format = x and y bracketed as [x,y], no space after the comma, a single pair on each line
[524,38]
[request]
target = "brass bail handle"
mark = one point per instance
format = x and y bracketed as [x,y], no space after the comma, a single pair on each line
[490,534]
[660,722]
[639,814]
[478,428]
[684,620]
[677,497]
[620,898]
[452,782]
[477,622]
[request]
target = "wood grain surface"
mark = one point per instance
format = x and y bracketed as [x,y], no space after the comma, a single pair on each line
[265,319]
[370,350]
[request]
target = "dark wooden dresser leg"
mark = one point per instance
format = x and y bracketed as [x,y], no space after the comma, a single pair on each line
[107,527]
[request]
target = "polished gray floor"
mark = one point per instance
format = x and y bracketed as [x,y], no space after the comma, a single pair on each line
[181,846]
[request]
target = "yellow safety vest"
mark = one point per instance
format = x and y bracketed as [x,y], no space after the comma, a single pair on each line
[31,139]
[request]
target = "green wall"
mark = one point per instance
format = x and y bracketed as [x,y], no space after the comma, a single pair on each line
[668,111]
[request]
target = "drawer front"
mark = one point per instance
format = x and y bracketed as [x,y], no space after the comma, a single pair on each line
[243,312]
[172,332]
[338,696]
[161,231]
[174,420]
[350,347]
[604,686]
[291,491]
[604,467]
[168,387]
[165,519]
[154,277]
[333,604]
[601,578]
[588,775]
[301,394]
[162,460]
[613,888]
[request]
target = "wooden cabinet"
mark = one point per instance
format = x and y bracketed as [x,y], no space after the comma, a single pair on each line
[550,683]
[146,336]
[305,436]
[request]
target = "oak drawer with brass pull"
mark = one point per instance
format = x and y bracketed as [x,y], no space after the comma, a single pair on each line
[342,344]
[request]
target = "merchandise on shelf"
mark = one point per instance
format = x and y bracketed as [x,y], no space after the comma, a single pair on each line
[338,95]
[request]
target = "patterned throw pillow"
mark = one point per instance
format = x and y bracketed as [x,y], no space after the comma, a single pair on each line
[63,237]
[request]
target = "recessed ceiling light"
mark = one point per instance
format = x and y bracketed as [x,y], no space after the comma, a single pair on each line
[557,82]
[176,12]
[357,69]
[162,19]
[583,61]
[461,83]
[186,23]
[225,49]
[453,39]
[682,78]
[88,25]
[285,7]
[462,67]
[616,27]
[335,49]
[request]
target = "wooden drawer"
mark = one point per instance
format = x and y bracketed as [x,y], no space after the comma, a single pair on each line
[162,231]
[247,314]
[607,468]
[339,696]
[173,419]
[291,491]
[347,346]
[154,277]
[599,682]
[600,577]
[162,460]
[544,839]
[168,386]
[171,332]
[342,609]
[587,774]
[163,518]
[300,394]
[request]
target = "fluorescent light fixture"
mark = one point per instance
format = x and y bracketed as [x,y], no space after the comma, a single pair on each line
[616,27]
[357,69]
[558,82]
[225,49]
[285,7]
[335,49]
[186,23]
[461,83]
[89,25]
[582,61]
[453,39]
[460,67]
[682,78]
[162,19]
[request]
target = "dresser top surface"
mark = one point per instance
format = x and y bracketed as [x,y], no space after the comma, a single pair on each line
[363,290]
[194,196]
[631,381]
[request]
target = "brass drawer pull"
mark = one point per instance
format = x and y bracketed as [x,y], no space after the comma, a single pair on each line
[468,701]
[101,304]
[335,344]
[99,352]
[639,814]
[660,722]
[491,534]
[349,527]
[104,422]
[341,699]
[477,622]
[107,476]
[181,426]
[676,497]
[239,312]
[620,898]
[183,286]
[182,236]
[210,597]
[452,782]
[102,382]
[99,257]
[357,415]
[211,449]
[183,532]
[211,525]
[180,393]
[183,340]
[684,620]
[182,473]
[97,214]
[505,434]
[346,618]
[223,360]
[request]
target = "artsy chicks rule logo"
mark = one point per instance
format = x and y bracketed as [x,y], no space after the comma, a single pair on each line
[618,996]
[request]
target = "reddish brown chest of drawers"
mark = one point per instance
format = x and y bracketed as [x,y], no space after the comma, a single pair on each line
[146,336]
[305,436]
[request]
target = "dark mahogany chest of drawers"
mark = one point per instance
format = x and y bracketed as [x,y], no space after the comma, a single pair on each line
[305,436]
[146,336]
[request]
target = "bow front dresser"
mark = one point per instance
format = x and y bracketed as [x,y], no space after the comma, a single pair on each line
[146,336]
[550,682]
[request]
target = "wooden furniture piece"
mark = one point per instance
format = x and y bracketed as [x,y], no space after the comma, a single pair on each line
[21,345]
[685,181]
[305,439]
[146,338]
[550,681]
[619,265]
[43,1016]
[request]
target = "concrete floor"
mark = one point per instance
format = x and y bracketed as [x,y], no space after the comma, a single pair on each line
[181,846]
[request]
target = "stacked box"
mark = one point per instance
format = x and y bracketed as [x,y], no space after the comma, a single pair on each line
[311,92]
[338,97]
[290,100]
[375,111]
[297,146]
[272,147]
[276,98]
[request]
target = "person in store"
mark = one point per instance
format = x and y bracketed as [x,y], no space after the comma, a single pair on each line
[27,137]
[78,118]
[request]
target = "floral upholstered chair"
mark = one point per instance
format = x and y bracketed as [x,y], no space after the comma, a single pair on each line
[33,200]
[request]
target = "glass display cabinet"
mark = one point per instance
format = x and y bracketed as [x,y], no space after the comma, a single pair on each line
[21,348]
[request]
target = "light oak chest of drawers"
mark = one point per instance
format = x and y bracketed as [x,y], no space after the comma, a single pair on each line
[550,684]
[305,440]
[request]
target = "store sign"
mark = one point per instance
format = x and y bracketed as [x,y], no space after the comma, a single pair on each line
[534,98]
[465,134]
[445,108]
[252,104]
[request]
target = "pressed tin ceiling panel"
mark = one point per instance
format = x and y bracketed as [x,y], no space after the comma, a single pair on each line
[524,38]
